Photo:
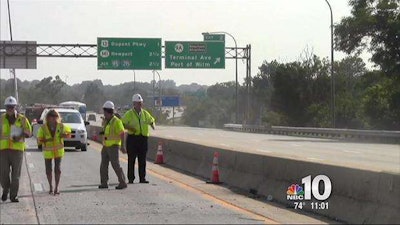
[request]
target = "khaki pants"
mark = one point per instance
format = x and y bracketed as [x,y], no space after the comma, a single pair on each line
[110,154]
[10,159]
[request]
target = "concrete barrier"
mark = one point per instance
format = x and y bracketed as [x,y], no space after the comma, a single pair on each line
[384,136]
[358,196]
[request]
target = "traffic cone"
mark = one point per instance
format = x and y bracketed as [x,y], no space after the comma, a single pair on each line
[215,170]
[160,154]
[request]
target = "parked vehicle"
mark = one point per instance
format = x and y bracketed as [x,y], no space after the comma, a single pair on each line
[81,107]
[73,119]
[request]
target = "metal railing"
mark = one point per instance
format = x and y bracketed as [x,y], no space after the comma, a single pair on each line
[343,134]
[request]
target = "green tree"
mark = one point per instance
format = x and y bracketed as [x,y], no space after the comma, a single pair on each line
[288,89]
[349,72]
[94,96]
[374,25]
[213,110]
[47,90]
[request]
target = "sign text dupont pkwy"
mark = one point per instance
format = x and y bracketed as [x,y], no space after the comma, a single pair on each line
[129,53]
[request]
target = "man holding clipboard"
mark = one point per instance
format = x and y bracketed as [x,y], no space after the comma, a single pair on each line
[14,128]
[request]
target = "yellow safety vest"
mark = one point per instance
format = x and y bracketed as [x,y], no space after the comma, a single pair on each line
[6,141]
[140,123]
[55,148]
[112,132]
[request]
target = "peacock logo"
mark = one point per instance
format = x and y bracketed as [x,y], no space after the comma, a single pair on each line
[295,192]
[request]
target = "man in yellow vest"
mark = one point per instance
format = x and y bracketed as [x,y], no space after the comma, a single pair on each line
[14,128]
[113,141]
[137,122]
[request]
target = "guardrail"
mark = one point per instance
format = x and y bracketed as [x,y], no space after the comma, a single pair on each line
[343,134]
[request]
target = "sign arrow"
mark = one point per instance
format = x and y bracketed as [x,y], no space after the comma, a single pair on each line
[217,60]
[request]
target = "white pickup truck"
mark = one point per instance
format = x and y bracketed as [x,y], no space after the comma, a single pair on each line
[74,120]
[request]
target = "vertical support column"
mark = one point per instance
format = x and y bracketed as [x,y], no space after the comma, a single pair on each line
[248,82]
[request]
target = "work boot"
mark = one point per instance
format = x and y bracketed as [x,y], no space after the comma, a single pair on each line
[14,199]
[4,196]
[121,186]
[103,186]
[144,181]
[130,182]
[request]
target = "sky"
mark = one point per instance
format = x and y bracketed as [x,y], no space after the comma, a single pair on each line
[276,29]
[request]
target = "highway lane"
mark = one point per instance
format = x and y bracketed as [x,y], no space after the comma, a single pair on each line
[171,197]
[367,156]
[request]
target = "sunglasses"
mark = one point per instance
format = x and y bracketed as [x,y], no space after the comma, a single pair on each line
[10,107]
[108,110]
[53,116]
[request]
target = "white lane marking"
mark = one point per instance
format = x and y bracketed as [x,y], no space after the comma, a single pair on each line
[295,145]
[226,145]
[30,165]
[263,150]
[193,139]
[28,153]
[169,136]
[314,159]
[38,187]
[351,151]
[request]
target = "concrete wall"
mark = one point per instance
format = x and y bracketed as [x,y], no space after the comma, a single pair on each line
[357,196]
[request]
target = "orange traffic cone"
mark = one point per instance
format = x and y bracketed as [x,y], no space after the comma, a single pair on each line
[215,170]
[160,154]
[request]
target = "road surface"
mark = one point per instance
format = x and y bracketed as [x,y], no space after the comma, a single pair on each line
[171,197]
[367,156]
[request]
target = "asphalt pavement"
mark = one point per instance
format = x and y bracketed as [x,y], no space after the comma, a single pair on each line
[171,197]
[360,155]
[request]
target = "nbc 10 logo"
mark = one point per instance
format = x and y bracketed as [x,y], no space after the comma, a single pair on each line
[311,187]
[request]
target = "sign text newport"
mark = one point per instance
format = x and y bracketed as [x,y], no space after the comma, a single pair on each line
[129,53]
[199,55]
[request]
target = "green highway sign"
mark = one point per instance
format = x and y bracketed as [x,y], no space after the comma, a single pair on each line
[128,53]
[214,37]
[194,54]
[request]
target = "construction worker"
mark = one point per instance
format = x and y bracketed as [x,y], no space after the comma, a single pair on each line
[137,121]
[14,128]
[51,136]
[113,141]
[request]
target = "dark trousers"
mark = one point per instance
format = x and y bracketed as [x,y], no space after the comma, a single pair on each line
[137,148]
[10,159]
[110,154]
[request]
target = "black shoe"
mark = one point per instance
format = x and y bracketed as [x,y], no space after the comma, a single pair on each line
[103,186]
[4,197]
[144,181]
[121,186]
[130,182]
[14,199]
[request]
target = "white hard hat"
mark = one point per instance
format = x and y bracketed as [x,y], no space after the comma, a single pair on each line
[137,98]
[10,101]
[108,105]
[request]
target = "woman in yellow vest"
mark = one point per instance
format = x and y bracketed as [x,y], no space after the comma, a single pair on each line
[51,136]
